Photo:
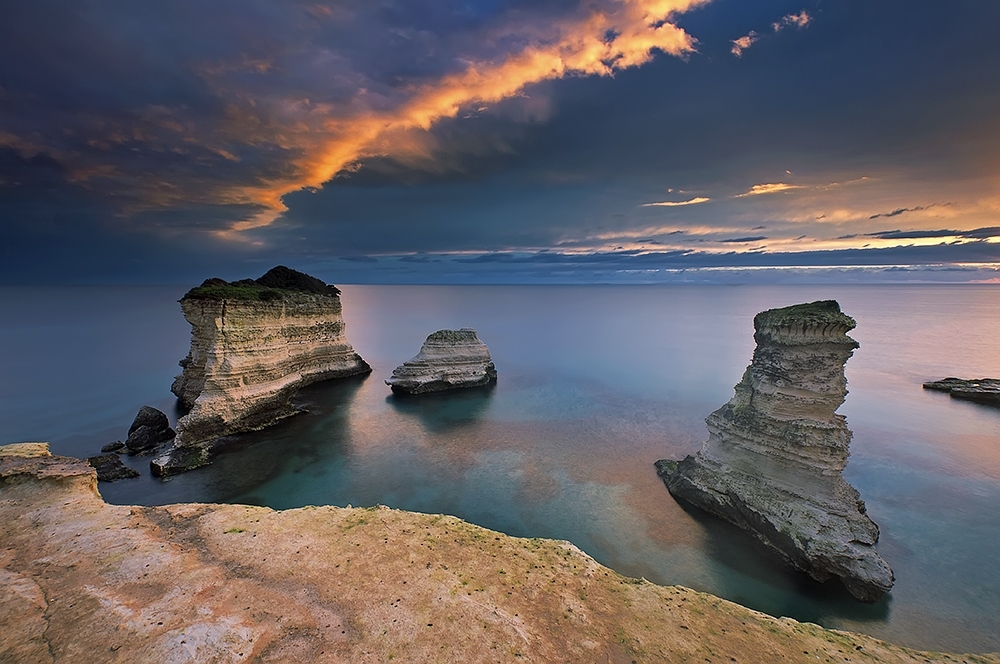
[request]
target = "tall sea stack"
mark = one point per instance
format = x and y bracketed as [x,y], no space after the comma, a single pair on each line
[773,460]
[253,344]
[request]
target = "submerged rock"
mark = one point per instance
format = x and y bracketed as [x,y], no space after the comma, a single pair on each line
[253,344]
[983,390]
[109,468]
[114,446]
[149,429]
[773,460]
[449,359]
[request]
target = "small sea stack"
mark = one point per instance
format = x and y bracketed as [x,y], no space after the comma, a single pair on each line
[449,359]
[773,460]
[985,391]
[254,343]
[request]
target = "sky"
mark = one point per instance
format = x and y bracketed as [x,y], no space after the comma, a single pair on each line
[499,140]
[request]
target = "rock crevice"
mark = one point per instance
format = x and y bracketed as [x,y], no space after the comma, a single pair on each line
[773,460]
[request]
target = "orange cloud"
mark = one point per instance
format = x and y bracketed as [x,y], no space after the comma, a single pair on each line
[599,43]
[759,189]
[693,201]
[743,43]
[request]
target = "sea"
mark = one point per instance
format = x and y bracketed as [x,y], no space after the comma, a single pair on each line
[595,384]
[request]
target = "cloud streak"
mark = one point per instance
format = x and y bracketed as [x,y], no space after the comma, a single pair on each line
[693,201]
[772,188]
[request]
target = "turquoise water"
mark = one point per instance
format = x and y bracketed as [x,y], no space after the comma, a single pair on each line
[595,383]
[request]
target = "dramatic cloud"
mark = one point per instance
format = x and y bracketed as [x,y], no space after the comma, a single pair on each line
[287,99]
[693,201]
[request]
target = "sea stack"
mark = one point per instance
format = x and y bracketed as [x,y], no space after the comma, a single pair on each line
[773,460]
[253,344]
[449,359]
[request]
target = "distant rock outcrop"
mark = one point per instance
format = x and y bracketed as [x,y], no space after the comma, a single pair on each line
[983,390]
[149,429]
[772,464]
[449,359]
[253,344]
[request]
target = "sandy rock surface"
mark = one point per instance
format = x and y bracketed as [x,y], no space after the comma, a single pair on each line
[84,581]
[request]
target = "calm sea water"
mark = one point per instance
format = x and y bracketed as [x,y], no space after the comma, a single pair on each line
[595,384]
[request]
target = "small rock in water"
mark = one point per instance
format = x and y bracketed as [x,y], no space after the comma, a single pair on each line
[981,390]
[113,446]
[448,359]
[109,468]
[149,429]
[150,417]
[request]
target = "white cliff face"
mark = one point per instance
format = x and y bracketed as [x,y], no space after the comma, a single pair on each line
[772,464]
[449,359]
[247,359]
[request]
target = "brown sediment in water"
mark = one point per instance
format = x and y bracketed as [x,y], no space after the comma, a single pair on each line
[88,581]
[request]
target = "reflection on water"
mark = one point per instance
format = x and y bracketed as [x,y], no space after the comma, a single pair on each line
[596,383]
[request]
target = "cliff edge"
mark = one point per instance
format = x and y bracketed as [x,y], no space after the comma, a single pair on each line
[84,581]
[773,460]
[253,344]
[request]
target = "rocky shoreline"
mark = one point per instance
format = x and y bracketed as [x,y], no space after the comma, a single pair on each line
[86,581]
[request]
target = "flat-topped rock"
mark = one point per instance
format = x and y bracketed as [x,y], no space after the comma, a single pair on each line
[773,460]
[449,359]
[981,390]
[254,343]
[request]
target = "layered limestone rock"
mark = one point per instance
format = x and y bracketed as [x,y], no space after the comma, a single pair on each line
[84,581]
[982,390]
[449,359]
[773,460]
[253,344]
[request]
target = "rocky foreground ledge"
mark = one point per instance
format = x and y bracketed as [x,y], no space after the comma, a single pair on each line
[84,581]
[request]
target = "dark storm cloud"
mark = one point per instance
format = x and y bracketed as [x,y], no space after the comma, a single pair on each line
[976,233]
[138,134]
[749,238]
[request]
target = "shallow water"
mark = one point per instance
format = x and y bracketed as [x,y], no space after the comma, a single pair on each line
[595,383]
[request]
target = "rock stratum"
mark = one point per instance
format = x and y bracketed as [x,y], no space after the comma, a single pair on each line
[982,390]
[773,460]
[449,359]
[84,581]
[253,344]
